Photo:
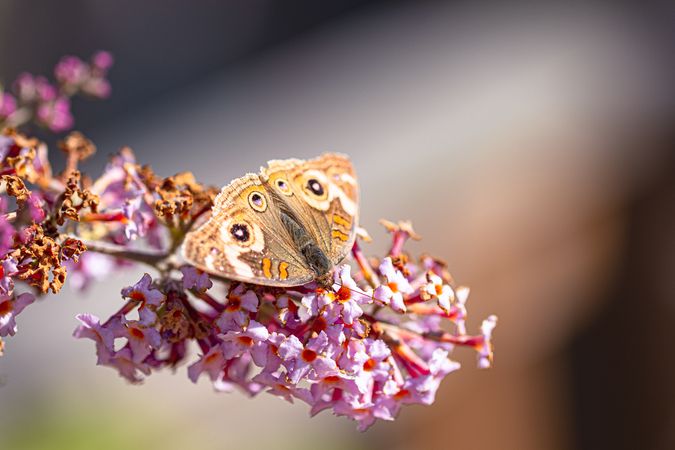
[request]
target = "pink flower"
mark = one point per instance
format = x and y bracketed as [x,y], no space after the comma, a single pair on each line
[485,349]
[278,385]
[7,105]
[97,87]
[55,114]
[435,288]
[10,307]
[391,292]
[423,389]
[147,297]
[71,70]
[102,60]
[348,297]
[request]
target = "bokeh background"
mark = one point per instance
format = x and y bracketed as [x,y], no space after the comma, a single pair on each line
[531,145]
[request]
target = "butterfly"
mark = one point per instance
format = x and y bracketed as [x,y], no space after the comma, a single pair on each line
[287,225]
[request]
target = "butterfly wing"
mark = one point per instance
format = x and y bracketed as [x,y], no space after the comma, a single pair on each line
[245,240]
[323,195]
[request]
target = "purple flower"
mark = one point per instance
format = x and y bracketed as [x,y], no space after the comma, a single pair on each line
[136,224]
[10,307]
[235,343]
[266,354]
[306,360]
[212,363]
[91,267]
[391,293]
[7,269]
[194,278]
[7,233]
[103,336]
[142,340]
[35,207]
[127,365]
[240,303]
[147,297]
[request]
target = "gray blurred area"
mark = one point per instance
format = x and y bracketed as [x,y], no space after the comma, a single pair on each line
[531,146]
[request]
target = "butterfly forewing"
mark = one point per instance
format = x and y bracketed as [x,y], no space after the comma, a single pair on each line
[260,222]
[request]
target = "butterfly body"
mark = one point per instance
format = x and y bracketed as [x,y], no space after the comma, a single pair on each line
[285,226]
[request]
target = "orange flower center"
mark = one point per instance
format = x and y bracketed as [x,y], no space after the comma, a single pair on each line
[319,324]
[234,303]
[401,394]
[246,340]
[331,379]
[211,358]
[137,295]
[369,365]
[136,333]
[393,286]
[343,294]
[309,355]
[5,307]
[439,289]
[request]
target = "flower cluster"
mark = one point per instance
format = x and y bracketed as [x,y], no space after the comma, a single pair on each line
[374,341]
[377,338]
[48,103]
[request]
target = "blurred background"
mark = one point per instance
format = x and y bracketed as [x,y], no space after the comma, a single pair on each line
[531,145]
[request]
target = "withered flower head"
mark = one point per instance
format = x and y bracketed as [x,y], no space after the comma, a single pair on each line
[78,146]
[75,199]
[403,226]
[175,321]
[40,259]
[179,193]
[15,187]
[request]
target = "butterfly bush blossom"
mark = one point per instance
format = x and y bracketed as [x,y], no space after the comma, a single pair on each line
[378,337]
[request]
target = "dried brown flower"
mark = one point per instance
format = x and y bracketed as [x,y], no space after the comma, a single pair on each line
[77,147]
[16,188]
[179,193]
[75,199]
[404,226]
[40,261]
[175,321]
[72,249]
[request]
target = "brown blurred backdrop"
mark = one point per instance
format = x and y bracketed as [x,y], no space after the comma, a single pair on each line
[532,146]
